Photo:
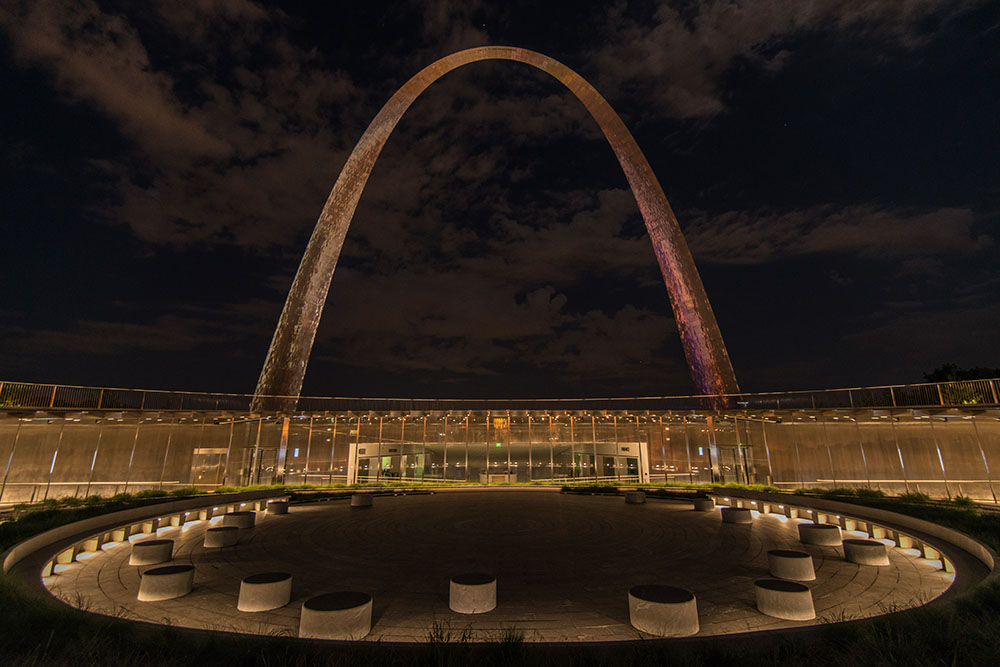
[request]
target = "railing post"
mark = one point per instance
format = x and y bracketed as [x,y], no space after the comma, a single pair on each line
[100,400]
[940,395]
[993,390]
[892,395]
[52,399]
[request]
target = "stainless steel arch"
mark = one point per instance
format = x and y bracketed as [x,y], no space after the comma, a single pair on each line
[285,366]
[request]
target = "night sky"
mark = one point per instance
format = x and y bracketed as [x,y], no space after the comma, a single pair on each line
[834,167]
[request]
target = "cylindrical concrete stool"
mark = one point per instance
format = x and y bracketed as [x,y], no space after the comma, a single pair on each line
[277,507]
[736,515]
[820,534]
[635,497]
[663,611]
[341,615]
[866,552]
[151,552]
[790,565]
[704,504]
[473,593]
[785,599]
[241,519]
[221,536]
[265,591]
[166,583]
[361,500]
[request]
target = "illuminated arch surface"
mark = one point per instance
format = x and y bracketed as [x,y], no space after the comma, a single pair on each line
[285,366]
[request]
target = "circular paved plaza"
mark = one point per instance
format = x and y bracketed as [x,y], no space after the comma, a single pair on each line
[563,563]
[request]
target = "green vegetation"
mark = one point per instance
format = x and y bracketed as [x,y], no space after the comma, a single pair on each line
[764,488]
[26,520]
[962,394]
[915,497]
[954,373]
[840,492]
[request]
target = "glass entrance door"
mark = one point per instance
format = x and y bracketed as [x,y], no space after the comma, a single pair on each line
[732,464]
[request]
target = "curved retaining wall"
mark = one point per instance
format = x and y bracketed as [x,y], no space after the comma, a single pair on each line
[79,533]
[933,540]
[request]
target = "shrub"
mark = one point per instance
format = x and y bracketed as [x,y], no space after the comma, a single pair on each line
[184,491]
[151,493]
[963,501]
[914,497]
[764,488]
[864,492]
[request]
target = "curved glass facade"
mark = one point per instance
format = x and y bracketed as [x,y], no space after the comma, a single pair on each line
[58,453]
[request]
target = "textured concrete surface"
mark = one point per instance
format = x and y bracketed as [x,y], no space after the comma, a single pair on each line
[564,565]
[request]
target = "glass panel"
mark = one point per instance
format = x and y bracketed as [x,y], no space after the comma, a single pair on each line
[111,466]
[71,468]
[988,431]
[697,436]
[520,453]
[920,455]
[435,461]
[540,452]
[297,449]
[845,452]
[963,461]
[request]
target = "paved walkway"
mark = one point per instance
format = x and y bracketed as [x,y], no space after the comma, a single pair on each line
[563,563]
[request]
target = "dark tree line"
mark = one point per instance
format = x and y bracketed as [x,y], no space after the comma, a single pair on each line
[952,372]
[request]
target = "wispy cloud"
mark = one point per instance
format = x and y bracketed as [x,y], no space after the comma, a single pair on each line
[676,54]
[865,231]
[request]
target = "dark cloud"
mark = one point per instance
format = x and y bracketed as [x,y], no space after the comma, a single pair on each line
[497,246]
[865,231]
[686,48]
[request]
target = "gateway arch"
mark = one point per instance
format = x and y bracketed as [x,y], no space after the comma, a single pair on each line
[285,367]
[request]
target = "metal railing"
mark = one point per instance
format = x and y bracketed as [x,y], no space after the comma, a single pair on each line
[35,396]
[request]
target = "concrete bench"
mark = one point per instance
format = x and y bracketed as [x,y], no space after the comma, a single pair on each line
[277,507]
[790,565]
[341,615]
[473,593]
[361,501]
[866,552]
[166,583]
[151,552]
[789,600]
[265,591]
[736,515]
[240,518]
[820,534]
[664,611]
[635,497]
[221,536]
[704,504]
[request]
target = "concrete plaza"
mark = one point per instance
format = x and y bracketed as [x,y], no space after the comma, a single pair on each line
[564,564]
